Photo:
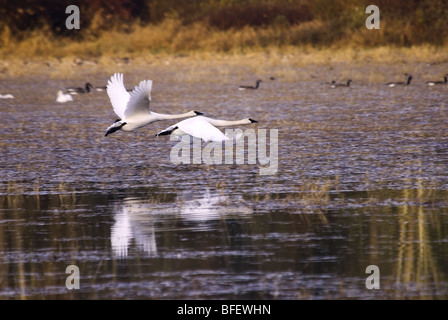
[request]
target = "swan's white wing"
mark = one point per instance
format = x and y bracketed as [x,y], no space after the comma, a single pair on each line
[138,103]
[118,95]
[199,127]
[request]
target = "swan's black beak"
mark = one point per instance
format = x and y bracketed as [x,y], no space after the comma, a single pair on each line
[253,121]
[198,113]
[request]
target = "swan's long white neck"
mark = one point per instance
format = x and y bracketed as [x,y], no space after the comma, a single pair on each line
[161,116]
[224,123]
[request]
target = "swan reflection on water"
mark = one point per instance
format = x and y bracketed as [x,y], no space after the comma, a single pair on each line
[133,222]
[136,218]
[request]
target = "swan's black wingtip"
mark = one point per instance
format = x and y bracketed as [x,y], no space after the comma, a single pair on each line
[166,132]
[253,121]
[198,113]
[115,127]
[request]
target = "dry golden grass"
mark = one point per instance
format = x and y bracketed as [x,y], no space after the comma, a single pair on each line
[289,62]
[274,44]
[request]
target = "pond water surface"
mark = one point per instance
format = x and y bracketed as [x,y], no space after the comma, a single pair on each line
[361,180]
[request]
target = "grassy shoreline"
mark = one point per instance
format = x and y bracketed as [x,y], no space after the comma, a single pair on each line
[255,58]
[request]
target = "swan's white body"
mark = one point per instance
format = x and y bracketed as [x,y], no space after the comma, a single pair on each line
[133,108]
[6,96]
[203,128]
[63,97]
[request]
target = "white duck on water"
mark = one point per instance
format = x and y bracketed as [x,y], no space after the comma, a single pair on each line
[133,109]
[63,97]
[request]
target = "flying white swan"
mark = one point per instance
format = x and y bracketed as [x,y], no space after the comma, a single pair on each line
[6,96]
[203,128]
[133,108]
[63,97]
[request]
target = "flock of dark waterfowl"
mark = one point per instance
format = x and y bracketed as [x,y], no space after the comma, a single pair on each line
[88,88]
[333,84]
